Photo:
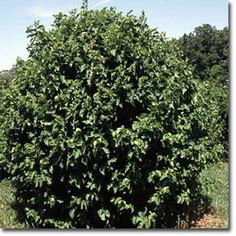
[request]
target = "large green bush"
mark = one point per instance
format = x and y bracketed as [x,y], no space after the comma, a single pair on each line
[100,128]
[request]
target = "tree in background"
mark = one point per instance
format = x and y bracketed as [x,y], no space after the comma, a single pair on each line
[207,50]
[6,76]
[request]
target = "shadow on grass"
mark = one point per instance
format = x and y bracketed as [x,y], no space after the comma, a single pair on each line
[201,206]
[184,217]
[12,214]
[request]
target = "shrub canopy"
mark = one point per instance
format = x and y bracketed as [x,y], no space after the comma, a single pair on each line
[100,128]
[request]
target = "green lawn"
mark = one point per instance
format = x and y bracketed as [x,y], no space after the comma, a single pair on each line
[8,216]
[215,186]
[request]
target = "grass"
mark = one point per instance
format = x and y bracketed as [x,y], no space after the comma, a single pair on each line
[216,186]
[214,181]
[8,216]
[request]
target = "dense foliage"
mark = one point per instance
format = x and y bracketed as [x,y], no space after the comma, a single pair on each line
[207,50]
[6,77]
[105,126]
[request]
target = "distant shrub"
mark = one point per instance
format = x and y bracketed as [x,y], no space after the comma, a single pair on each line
[100,128]
[211,111]
[207,50]
[6,76]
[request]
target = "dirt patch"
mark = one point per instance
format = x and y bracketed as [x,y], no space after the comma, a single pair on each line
[210,221]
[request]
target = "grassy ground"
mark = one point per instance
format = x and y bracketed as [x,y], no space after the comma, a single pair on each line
[215,186]
[8,216]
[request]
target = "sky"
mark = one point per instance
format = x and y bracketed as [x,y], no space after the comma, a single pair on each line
[175,17]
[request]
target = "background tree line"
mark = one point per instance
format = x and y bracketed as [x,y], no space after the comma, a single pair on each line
[207,50]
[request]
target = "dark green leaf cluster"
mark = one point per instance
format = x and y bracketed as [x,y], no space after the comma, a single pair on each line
[103,126]
[207,49]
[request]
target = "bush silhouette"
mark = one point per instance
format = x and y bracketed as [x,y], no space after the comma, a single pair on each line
[100,129]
